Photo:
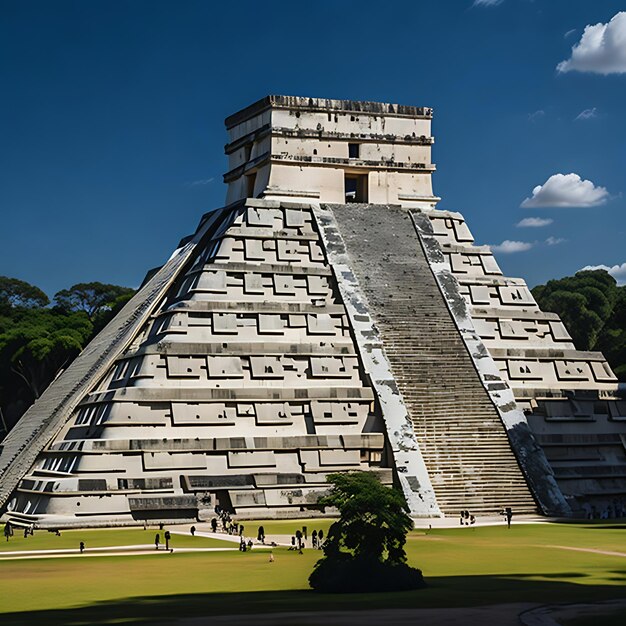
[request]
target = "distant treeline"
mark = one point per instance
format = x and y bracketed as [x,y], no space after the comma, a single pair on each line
[593,308]
[39,338]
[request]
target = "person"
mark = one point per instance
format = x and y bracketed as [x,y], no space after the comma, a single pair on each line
[241,530]
[261,534]
[160,525]
[320,537]
[26,533]
[157,541]
[242,545]
[508,512]
[271,557]
[304,532]
[293,543]
[8,531]
[57,532]
[314,538]
[472,519]
[250,544]
[167,539]
[462,517]
[299,538]
[82,547]
[214,525]
[193,531]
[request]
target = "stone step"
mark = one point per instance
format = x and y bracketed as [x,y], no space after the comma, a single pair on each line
[461,436]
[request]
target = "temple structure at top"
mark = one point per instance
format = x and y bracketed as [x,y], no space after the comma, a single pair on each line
[310,149]
[328,318]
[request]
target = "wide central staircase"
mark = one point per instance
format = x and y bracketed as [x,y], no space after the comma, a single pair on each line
[463,441]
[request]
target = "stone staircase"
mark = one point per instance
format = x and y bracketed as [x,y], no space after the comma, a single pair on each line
[461,436]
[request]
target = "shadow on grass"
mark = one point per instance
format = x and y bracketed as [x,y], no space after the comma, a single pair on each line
[448,592]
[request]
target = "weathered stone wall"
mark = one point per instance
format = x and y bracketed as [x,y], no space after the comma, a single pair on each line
[244,388]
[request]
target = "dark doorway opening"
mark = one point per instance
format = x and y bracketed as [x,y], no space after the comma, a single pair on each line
[250,181]
[356,188]
[222,499]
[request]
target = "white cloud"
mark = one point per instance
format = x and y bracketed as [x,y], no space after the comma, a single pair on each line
[537,115]
[509,247]
[587,114]
[554,241]
[601,49]
[566,190]
[486,3]
[617,271]
[534,222]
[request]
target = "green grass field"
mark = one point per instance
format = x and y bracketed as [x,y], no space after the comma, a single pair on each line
[463,567]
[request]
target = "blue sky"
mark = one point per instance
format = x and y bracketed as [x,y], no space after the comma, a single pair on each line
[111,119]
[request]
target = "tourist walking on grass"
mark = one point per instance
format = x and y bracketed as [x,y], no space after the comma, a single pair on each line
[167,539]
[271,557]
[508,513]
[193,531]
[157,541]
[82,547]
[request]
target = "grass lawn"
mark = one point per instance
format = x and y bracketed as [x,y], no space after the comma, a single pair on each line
[100,538]
[463,567]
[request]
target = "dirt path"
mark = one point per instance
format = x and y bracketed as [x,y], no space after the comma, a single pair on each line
[592,550]
[107,551]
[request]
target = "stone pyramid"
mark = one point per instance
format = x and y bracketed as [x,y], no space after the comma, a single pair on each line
[329,318]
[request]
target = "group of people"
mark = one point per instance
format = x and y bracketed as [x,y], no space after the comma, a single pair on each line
[9,531]
[614,510]
[467,519]
[167,536]
[228,525]
[300,536]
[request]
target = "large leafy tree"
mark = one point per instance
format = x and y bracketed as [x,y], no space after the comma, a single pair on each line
[584,302]
[38,344]
[18,293]
[92,298]
[364,549]
[593,308]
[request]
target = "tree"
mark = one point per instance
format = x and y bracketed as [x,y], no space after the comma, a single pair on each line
[593,308]
[92,298]
[364,549]
[38,344]
[584,302]
[18,293]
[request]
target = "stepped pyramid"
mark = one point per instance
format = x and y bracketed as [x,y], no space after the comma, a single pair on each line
[328,318]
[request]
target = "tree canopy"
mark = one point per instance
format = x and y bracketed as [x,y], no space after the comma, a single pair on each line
[364,549]
[593,308]
[38,342]
[92,298]
[18,293]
